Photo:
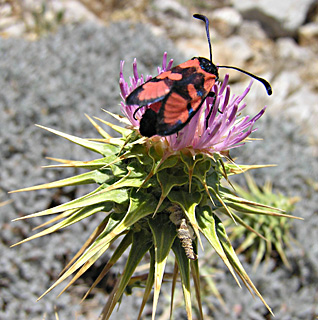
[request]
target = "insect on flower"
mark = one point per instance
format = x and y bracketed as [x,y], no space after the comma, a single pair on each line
[175,96]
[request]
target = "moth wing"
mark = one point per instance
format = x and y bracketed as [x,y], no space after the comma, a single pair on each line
[176,112]
[154,90]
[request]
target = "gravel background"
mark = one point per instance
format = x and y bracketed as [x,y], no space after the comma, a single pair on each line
[55,80]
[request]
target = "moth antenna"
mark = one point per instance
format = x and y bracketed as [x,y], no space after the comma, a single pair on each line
[206,20]
[262,80]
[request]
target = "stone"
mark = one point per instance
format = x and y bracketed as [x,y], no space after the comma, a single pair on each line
[234,51]
[252,30]
[279,18]
[289,51]
[308,35]
[226,21]
[172,8]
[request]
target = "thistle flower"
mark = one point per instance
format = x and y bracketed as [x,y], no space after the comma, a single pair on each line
[157,195]
[225,130]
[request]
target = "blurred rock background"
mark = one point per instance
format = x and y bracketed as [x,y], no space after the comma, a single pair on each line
[60,59]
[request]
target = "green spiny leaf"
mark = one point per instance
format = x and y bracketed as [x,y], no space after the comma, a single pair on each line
[184,267]
[150,282]
[123,131]
[168,179]
[117,196]
[142,241]
[120,249]
[207,223]
[196,280]
[75,217]
[232,168]
[230,253]
[95,176]
[91,165]
[164,233]
[201,169]
[134,178]
[170,162]
[190,162]
[102,148]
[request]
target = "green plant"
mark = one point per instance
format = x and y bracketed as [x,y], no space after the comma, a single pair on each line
[275,231]
[157,195]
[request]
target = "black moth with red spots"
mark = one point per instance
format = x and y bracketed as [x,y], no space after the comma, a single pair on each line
[175,96]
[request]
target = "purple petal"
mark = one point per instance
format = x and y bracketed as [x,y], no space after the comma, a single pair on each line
[136,76]
[164,61]
[226,98]
[169,64]
[224,84]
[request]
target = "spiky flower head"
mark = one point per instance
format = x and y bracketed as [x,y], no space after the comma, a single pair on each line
[157,195]
[225,129]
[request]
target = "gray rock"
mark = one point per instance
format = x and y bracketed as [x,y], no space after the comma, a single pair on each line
[252,30]
[291,53]
[171,8]
[279,18]
[226,21]
[308,35]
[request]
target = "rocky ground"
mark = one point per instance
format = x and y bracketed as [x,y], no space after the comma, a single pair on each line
[61,61]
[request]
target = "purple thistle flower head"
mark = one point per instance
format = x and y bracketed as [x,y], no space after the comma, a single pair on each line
[135,82]
[225,129]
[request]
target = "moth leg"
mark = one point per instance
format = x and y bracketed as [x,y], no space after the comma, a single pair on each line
[211,94]
[134,115]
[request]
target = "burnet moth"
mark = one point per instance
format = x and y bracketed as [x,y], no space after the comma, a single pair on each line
[175,96]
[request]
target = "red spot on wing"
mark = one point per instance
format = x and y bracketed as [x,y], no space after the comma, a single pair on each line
[175,109]
[190,64]
[163,75]
[192,92]
[175,76]
[209,81]
[156,106]
[171,76]
[153,90]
